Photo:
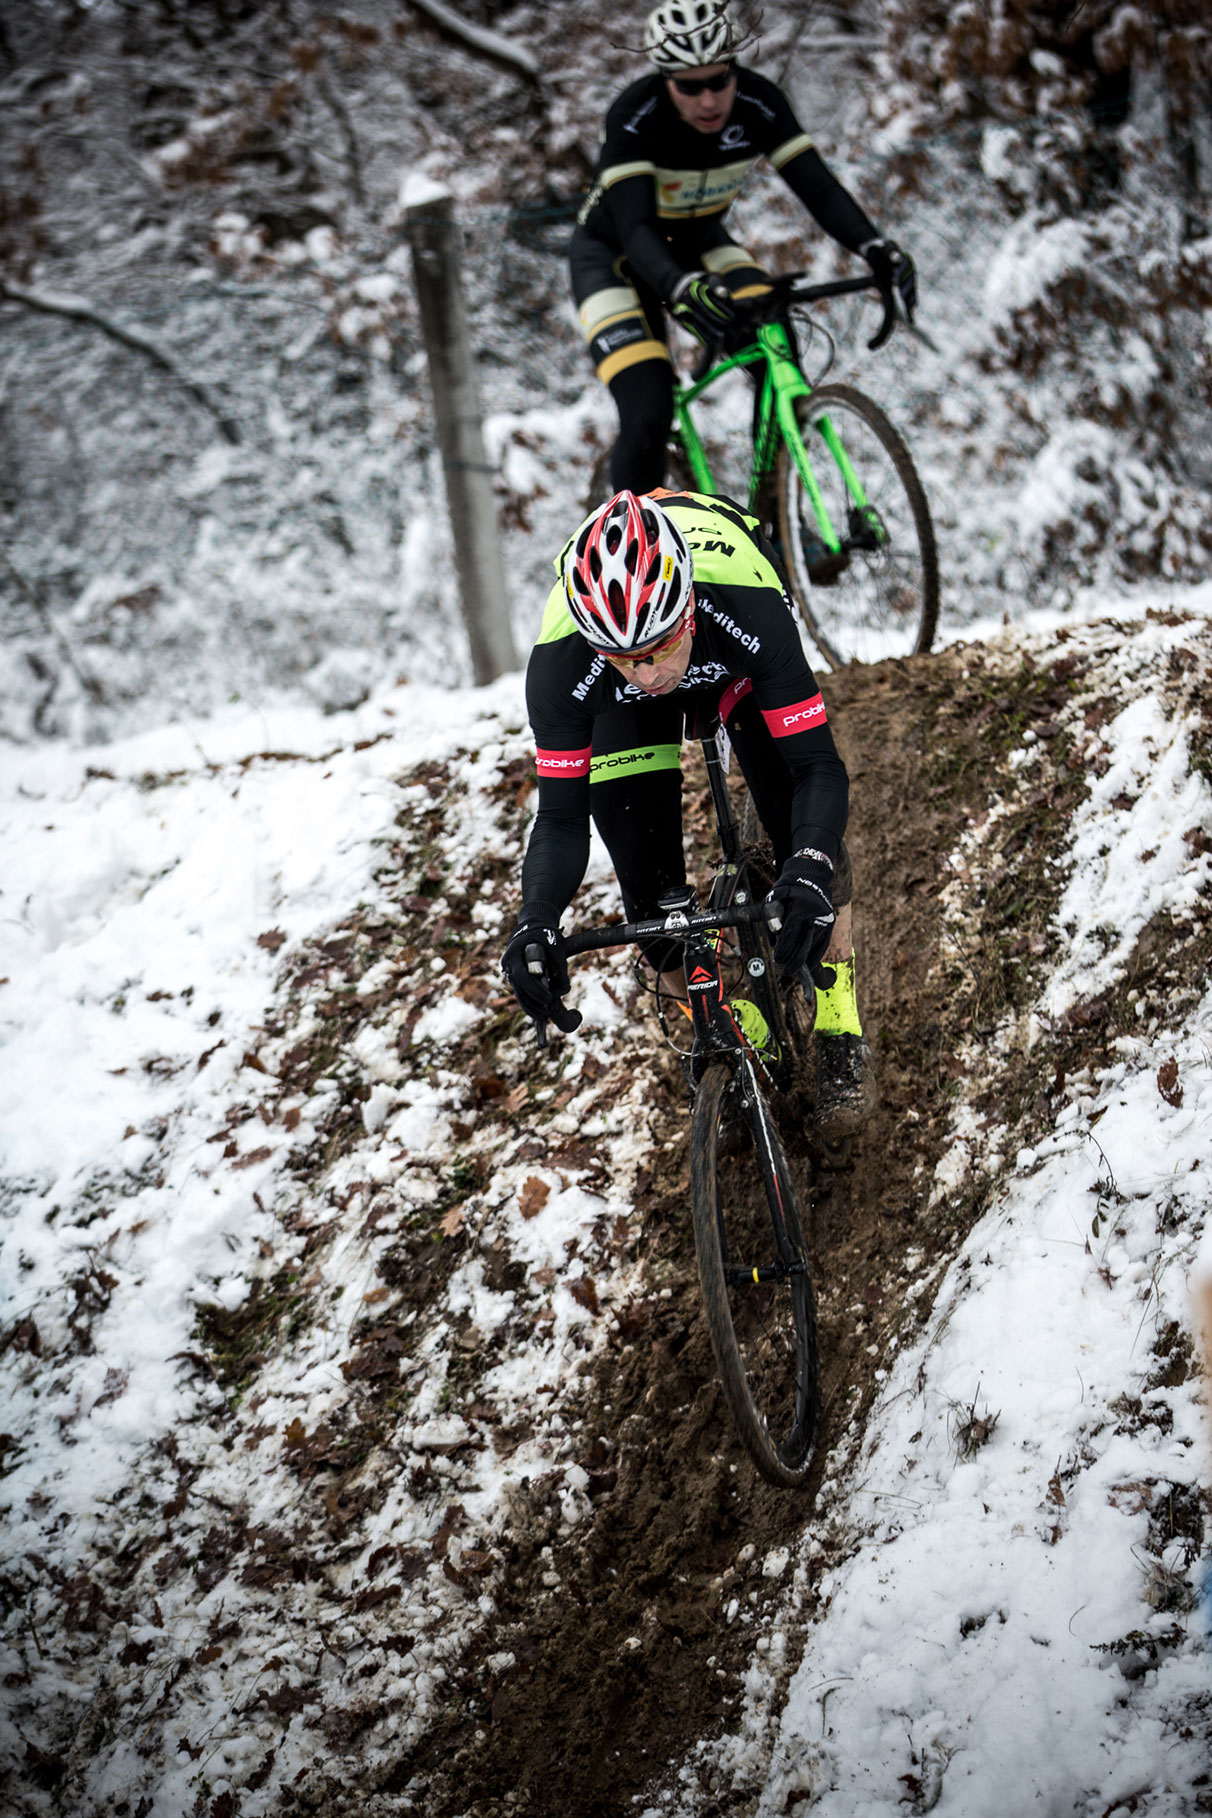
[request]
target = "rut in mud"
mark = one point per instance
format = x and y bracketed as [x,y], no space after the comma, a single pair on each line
[623,1655]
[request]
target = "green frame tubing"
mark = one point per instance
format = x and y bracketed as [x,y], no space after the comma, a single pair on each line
[783,385]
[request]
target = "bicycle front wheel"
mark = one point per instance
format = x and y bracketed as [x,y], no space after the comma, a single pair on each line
[757,1290]
[878,596]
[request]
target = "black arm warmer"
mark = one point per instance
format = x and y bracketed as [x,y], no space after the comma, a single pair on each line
[827,200]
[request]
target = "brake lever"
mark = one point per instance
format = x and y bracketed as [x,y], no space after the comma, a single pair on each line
[888,299]
[896,315]
[567,1020]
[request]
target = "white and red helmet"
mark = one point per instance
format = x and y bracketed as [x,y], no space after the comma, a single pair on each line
[628,574]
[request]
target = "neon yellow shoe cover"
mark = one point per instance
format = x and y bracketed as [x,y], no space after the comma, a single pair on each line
[837,1008]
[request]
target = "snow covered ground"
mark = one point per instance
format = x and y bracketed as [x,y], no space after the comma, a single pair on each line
[1017,1626]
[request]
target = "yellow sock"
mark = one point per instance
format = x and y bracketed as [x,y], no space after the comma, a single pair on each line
[837,1007]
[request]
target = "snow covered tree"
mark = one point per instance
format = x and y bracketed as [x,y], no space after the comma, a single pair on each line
[1072,67]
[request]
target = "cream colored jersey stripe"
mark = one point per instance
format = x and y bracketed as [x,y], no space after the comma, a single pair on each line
[618,172]
[606,306]
[801,143]
[726,258]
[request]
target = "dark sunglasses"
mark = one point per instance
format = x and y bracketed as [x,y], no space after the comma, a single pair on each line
[701,84]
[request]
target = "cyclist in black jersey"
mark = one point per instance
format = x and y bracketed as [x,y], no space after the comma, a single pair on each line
[669,607]
[676,149]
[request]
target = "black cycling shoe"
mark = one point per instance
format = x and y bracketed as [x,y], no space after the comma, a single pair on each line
[845,1085]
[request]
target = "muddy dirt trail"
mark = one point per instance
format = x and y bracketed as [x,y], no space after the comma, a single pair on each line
[623,1653]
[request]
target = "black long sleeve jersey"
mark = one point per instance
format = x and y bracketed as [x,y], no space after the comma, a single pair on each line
[660,183]
[745,641]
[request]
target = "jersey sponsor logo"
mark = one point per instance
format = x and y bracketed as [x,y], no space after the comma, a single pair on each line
[733,138]
[749,640]
[709,543]
[752,101]
[637,120]
[688,192]
[563,763]
[582,688]
[699,675]
[620,760]
[618,337]
[801,717]
[734,693]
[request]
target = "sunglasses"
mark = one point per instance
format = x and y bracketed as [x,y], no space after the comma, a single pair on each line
[703,84]
[630,657]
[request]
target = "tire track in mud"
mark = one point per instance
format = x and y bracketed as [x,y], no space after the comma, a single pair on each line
[616,1648]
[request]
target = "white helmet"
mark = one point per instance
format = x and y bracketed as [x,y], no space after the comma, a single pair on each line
[689,34]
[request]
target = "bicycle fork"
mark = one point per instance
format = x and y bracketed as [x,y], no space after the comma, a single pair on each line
[789,1260]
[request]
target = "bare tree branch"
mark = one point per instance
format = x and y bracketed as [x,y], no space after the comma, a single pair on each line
[488,44]
[338,108]
[77,309]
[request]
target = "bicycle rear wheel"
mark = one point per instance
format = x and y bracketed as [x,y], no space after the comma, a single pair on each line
[879,596]
[757,1290]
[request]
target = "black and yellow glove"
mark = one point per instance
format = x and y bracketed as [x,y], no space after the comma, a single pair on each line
[703,305]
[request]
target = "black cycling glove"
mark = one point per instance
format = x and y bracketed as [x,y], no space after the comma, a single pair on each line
[540,980]
[803,888]
[893,270]
[703,305]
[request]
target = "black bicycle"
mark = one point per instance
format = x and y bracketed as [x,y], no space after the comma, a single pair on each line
[749,1239]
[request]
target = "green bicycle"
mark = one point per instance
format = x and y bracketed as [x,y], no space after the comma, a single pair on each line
[854,530]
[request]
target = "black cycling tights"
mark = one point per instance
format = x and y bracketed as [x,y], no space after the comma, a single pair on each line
[636,797]
[644,396]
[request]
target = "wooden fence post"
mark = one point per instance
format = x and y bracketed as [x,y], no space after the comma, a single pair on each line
[430,227]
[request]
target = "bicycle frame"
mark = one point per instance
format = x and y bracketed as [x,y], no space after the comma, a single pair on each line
[782,385]
[714,1031]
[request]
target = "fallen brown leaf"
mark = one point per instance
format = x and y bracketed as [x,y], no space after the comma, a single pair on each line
[534,1196]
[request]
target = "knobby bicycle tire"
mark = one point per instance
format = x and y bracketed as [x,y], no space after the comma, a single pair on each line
[879,597]
[763,1331]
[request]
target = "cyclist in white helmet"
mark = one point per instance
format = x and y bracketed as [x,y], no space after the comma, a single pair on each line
[668,608]
[677,147]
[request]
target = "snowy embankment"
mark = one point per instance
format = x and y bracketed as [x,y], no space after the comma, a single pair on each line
[1020,1628]
[180,1141]
[256,1066]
